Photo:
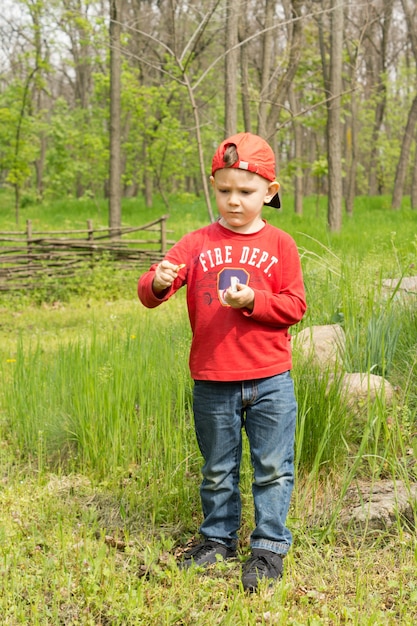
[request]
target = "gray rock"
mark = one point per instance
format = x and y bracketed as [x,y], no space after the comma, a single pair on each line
[324,344]
[361,388]
[379,505]
[404,287]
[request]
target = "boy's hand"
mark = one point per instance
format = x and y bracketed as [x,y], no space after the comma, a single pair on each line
[165,274]
[243,298]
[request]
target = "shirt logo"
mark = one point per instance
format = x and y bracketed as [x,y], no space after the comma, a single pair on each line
[230,277]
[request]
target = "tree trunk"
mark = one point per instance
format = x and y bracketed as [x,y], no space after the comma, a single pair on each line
[231,67]
[352,154]
[378,52]
[334,153]
[351,129]
[400,176]
[298,153]
[295,37]
[351,169]
[244,69]
[413,195]
[267,47]
[401,172]
[39,97]
[39,163]
[115,211]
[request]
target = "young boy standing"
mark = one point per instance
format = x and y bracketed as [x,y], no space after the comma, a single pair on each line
[244,290]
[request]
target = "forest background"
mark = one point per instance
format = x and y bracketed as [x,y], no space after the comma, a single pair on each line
[99,468]
[134,105]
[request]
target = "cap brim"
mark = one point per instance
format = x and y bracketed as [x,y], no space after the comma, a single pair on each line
[275,202]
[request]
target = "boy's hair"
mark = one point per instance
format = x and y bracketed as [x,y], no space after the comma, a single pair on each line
[230,156]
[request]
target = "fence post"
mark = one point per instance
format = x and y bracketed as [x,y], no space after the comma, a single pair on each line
[90,229]
[163,235]
[90,238]
[29,236]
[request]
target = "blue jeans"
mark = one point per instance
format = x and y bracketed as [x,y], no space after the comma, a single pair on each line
[266,408]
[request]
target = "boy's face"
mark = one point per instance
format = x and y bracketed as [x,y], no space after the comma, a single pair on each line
[240,196]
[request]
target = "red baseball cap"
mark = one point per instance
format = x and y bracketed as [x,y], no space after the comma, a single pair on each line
[255,155]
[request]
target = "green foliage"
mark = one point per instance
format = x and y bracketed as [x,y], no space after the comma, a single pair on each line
[18,136]
[97,280]
[78,157]
[156,143]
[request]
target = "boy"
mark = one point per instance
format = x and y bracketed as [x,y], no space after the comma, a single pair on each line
[244,290]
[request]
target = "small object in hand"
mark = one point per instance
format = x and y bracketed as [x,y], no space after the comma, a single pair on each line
[179,267]
[234,281]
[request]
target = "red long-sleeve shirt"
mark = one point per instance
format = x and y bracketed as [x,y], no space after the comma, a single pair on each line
[231,344]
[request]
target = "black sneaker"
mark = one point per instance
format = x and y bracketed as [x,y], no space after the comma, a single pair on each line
[261,564]
[206,553]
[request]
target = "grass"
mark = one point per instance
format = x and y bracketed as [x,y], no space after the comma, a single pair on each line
[60,565]
[99,465]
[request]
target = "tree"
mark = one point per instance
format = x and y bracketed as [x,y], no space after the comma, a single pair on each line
[244,67]
[332,72]
[353,46]
[413,195]
[291,56]
[115,209]
[231,67]
[28,85]
[285,90]
[267,58]
[75,18]
[401,172]
[298,153]
[377,59]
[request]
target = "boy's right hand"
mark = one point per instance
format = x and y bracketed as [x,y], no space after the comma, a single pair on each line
[165,274]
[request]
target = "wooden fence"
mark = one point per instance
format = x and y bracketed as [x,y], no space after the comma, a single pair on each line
[27,255]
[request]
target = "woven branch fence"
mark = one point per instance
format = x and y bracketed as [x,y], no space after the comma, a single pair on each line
[27,255]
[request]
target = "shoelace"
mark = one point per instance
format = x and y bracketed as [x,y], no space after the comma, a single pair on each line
[261,564]
[200,550]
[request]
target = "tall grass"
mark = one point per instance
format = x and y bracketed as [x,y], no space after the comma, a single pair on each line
[110,404]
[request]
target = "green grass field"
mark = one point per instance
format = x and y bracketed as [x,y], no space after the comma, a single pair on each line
[100,468]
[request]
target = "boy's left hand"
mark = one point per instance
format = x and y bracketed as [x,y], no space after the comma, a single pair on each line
[243,298]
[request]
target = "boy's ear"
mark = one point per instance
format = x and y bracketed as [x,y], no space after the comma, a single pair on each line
[273,189]
[212,181]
